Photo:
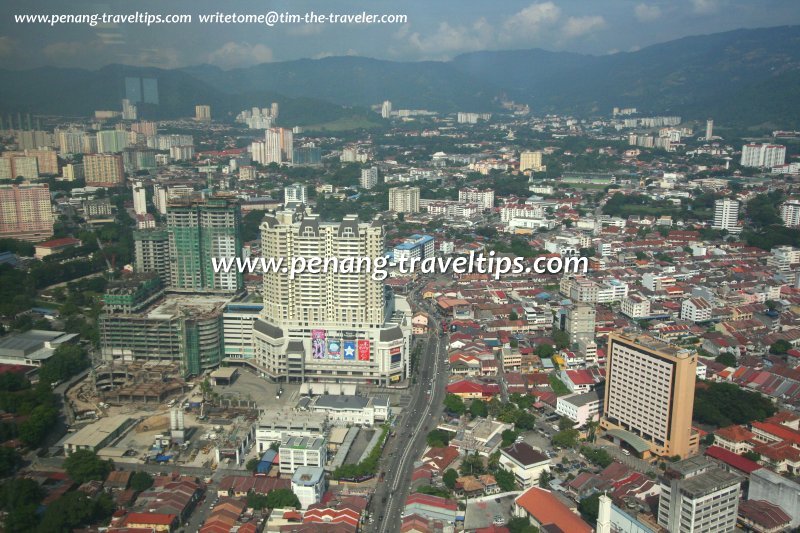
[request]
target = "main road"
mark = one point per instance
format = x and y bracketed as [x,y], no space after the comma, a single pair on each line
[420,416]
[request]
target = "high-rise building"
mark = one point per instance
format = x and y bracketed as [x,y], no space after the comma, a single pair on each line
[279,145]
[340,325]
[307,155]
[33,139]
[531,161]
[16,164]
[160,198]
[146,128]
[579,322]
[295,194]
[763,155]
[649,395]
[484,198]
[151,252]
[274,110]
[25,212]
[386,109]
[790,213]
[111,141]
[104,170]
[73,171]
[726,215]
[202,113]
[199,231]
[139,198]
[46,160]
[709,129]
[69,141]
[369,177]
[404,199]
[128,110]
[696,495]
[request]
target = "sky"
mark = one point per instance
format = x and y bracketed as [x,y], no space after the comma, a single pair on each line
[435,29]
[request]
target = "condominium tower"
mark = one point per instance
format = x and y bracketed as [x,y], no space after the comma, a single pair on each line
[25,212]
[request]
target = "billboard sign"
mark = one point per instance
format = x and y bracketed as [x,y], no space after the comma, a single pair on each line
[318,343]
[363,350]
[349,350]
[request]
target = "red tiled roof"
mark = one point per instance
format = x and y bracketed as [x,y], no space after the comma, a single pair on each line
[728,457]
[431,501]
[543,506]
[150,518]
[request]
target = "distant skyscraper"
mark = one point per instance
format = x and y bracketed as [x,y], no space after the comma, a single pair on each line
[763,155]
[111,141]
[531,161]
[369,177]
[295,194]
[151,252]
[197,232]
[404,199]
[104,170]
[70,141]
[139,198]
[160,198]
[726,215]
[649,396]
[709,129]
[17,164]
[25,212]
[128,110]
[274,111]
[202,113]
[386,109]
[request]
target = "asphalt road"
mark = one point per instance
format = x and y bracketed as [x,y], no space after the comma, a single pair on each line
[422,415]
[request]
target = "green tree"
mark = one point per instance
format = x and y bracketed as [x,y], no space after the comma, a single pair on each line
[726,358]
[75,509]
[472,464]
[708,440]
[10,460]
[141,481]
[449,478]
[505,480]
[597,456]
[723,404]
[544,351]
[84,465]
[544,479]
[780,347]
[252,464]
[509,437]
[589,507]
[454,404]
[438,438]
[560,339]
[280,498]
[565,423]
[567,438]
[513,315]
[478,409]
[66,361]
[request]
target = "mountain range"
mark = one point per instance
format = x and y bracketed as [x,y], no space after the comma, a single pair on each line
[748,77]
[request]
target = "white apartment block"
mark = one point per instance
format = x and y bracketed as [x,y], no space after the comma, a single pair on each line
[726,215]
[790,213]
[295,194]
[369,177]
[636,306]
[531,161]
[763,155]
[783,257]
[525,462]
[696,310]
[484,198]
[404,199]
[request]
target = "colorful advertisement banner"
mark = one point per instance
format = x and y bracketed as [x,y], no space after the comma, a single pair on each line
[318,343]
[349,350]
[363,350]
[334,349]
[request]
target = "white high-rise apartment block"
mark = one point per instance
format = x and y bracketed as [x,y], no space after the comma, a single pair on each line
[202,113]
[531,161]
[128,110]
[484,198]
[790,213]
[763,155]
[726,215]
[404,199]
[279,145]
[386,109]
[295,194]
[335,322]
[709,129]
[111,141]
[369,177]
[160,198]
[139,198]
[69,141]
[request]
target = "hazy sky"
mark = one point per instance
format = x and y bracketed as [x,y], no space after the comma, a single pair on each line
[436,29]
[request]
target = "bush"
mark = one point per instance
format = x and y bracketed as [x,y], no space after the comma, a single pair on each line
[84,465]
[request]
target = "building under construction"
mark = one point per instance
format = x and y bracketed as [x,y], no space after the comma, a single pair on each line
[149,382]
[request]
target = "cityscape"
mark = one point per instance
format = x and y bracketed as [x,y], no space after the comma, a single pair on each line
[656,389]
